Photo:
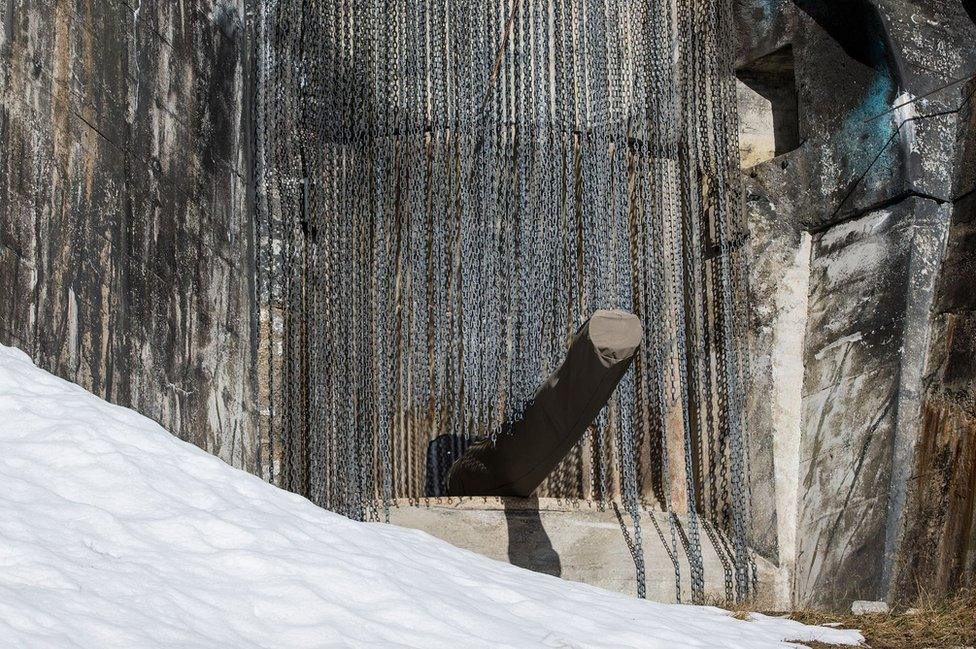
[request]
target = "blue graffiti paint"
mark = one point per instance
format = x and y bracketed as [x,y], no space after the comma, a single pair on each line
[864,137]
[863,134]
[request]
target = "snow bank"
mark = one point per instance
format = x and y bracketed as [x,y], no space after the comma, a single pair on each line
[114,533]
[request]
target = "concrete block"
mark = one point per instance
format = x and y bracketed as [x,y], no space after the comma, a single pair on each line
[577,541]
[864,607]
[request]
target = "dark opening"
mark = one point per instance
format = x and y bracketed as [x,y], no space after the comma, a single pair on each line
[442,452]
[856,25]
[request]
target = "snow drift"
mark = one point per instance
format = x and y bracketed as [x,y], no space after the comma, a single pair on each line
[114,533]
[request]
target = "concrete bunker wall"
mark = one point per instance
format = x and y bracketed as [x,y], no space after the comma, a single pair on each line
[852,338]
[126,264]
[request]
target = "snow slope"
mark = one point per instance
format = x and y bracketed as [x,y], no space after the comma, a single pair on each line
[114,533]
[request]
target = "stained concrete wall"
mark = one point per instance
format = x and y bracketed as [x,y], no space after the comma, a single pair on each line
[938,537]
[579,541]
[125,245]
[855,220]
[859,373]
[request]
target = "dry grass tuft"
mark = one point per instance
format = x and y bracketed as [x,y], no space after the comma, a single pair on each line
[937,623]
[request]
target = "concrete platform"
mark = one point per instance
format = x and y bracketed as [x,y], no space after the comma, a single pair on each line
[578,541]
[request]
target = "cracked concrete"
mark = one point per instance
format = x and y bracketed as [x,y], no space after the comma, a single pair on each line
[880,110]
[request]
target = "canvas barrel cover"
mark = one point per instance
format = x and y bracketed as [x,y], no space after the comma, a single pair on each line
[517,461]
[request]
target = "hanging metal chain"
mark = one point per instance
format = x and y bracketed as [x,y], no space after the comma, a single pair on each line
[447,189]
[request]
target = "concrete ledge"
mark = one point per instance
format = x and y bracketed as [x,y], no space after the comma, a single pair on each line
[576,540]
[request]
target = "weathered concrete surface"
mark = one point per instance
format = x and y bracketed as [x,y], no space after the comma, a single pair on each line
[861,375]
[872,178]
[574,540]
[779,284]
[124,242]
[821,181]
[938,538]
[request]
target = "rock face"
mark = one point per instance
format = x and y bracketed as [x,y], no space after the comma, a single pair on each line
[124,239]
